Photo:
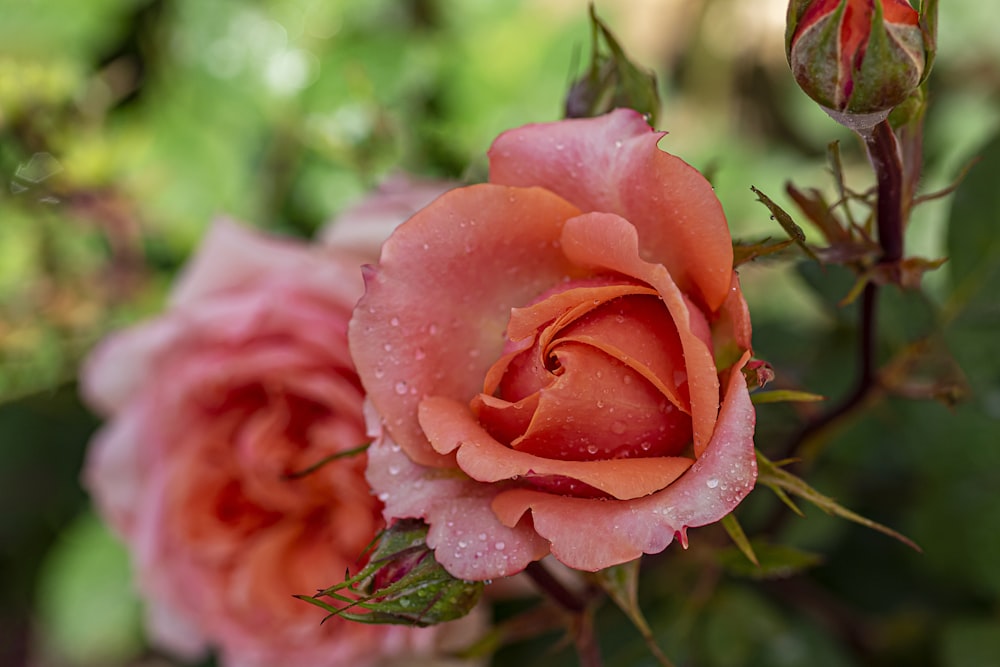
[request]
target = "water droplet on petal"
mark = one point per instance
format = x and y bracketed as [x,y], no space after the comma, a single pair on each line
[712,483]
[400,387]
[499,546]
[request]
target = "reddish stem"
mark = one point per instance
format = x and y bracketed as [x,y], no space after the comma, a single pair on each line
[883,152]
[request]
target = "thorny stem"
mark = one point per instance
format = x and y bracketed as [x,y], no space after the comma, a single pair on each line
[585,639]
[883,151]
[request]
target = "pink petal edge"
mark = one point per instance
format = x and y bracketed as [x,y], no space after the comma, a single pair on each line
[468,539]
[612,164]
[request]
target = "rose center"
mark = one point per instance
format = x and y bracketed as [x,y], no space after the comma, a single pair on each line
[602,377]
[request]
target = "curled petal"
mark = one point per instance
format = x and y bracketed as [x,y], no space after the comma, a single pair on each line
[606,241]
[449,423]
[712,488]
[612,164]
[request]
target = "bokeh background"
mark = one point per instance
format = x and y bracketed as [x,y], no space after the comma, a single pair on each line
[127,125]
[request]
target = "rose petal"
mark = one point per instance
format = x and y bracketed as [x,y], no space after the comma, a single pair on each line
[442,323]
[612,164]
[607,241]
[731,332]
[620,531]
[599,408]
[449,424]
[527,320]
[640,333]
[467,538]
[233,257]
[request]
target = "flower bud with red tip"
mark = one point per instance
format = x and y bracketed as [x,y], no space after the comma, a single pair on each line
[857,57]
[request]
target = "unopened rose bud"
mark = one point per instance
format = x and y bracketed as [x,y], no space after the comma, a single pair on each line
[856,57]
[611,81]
[402,584]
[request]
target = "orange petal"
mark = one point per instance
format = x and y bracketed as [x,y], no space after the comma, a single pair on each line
[486,460]
[606,241]
[612,164]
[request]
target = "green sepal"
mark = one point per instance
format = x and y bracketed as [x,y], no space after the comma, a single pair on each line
[780,481]
[611,81]
[774,561]
[785,220]
[402,584]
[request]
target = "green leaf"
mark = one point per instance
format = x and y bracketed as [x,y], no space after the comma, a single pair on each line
[973,244]
[785,220]
[775,561]
[971,643]
[87,609]
[773,476]
[735,530]
[785,396]
[744,252]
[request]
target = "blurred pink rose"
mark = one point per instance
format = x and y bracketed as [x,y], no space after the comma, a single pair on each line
[243,381]
[363,226]
[555,355]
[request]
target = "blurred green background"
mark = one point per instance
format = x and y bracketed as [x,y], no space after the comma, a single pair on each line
[127,125]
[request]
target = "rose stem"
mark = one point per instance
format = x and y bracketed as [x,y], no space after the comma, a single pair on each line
[883,151]
[586,641]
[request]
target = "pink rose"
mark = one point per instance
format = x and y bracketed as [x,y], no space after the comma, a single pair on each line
[245,380]
[555,355]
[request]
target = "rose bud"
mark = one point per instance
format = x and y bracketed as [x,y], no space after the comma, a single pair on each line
[611,81]
[402,584]
[856,57]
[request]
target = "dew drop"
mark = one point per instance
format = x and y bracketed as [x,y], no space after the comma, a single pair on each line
[401,387]
[419,355]
[482,537]
[462,544]
[384,496]
[404,602]
[591,449]
[387,347]
[393,470]
[394,322]
[712,483]
[499,546]
[379,372]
